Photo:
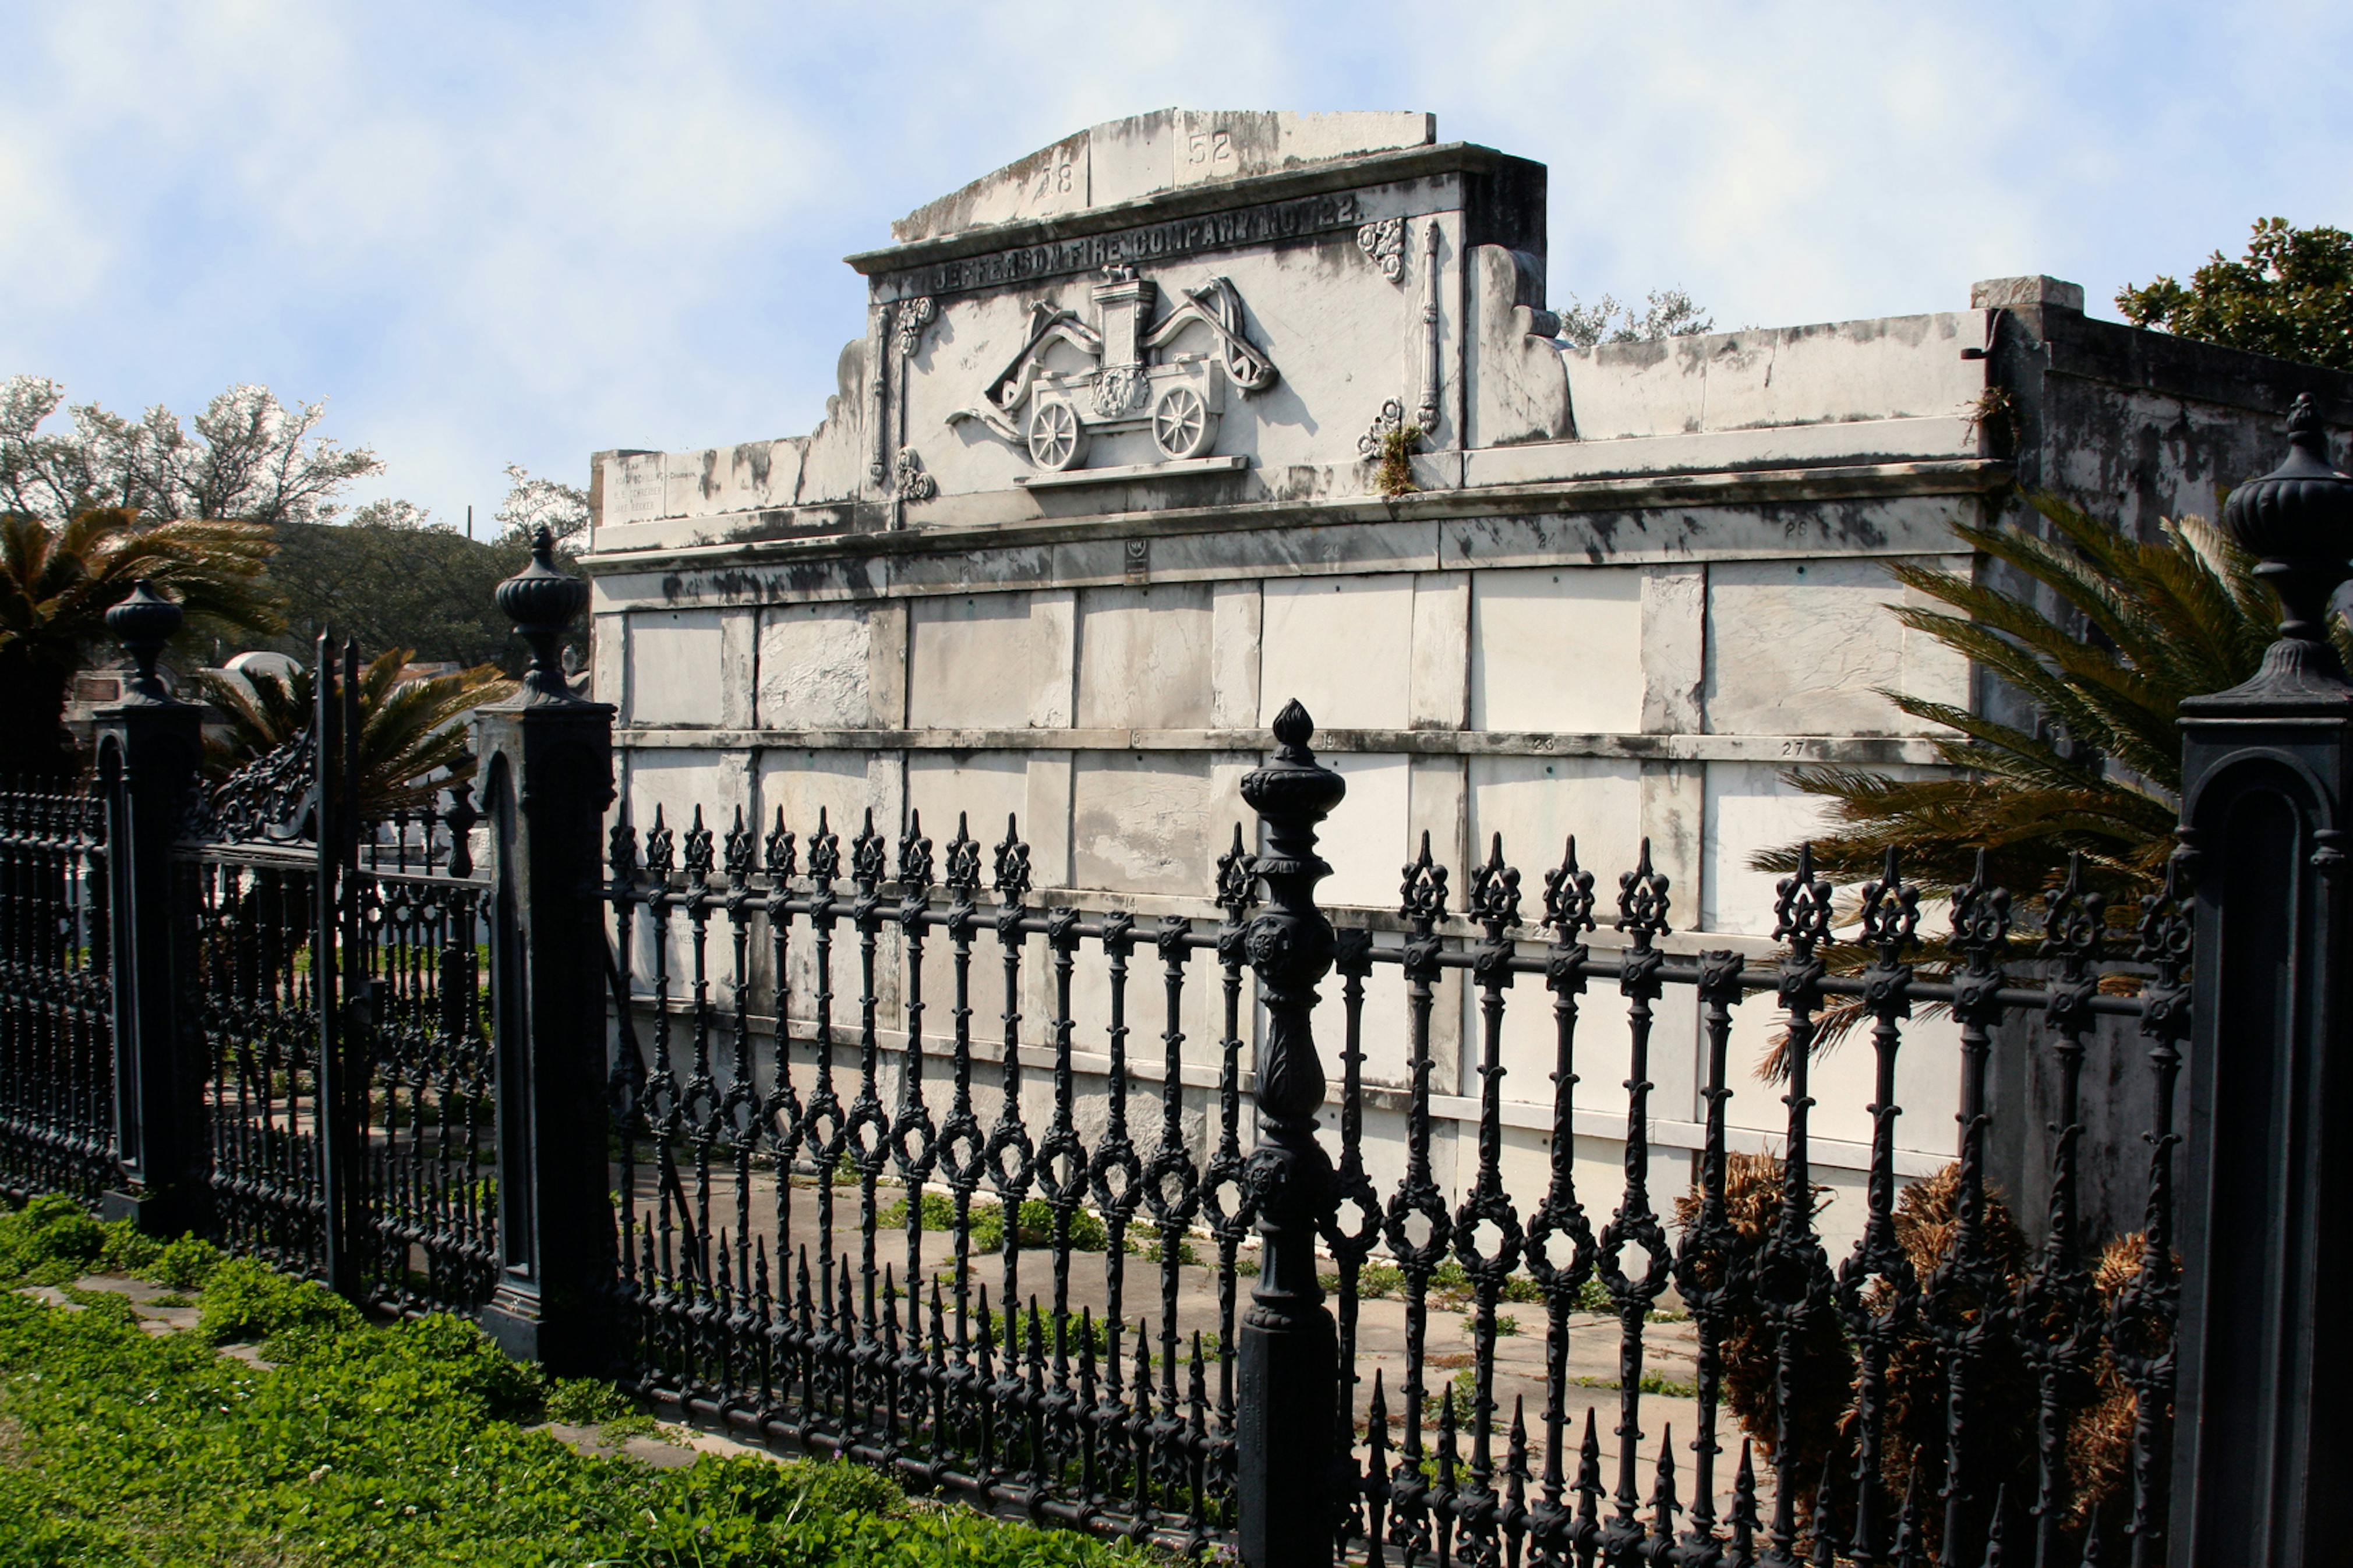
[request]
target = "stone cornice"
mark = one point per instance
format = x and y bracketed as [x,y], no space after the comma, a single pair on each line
[1859,750]
[1187,201]
[1966,476]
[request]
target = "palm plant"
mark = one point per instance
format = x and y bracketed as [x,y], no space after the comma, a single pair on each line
[411,744]
[2135,628]
[58,579]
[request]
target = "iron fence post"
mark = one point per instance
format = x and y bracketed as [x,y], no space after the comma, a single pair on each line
[1288,1349]
[149,744]
[546,766]
[2265,1370]
[338,977]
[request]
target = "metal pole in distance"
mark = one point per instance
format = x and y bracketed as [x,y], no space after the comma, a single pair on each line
[2265,1367]
[1289,1348]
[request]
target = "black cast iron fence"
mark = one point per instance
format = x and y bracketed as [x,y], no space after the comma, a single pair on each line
[57,1052]
[772,1280]
[337,1005]
[801,1164]
[796,1136]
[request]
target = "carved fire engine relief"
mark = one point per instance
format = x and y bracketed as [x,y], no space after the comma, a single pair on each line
[1141,373]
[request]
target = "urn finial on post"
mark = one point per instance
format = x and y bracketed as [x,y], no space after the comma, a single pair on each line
[1288,1344]
[2297,521]
[144,623]
[541,600]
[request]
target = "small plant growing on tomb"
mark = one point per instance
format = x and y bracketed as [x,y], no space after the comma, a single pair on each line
[1994,415]
[1393,475]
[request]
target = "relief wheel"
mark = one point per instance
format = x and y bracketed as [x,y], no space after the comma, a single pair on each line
[1058,436]
[1181,424]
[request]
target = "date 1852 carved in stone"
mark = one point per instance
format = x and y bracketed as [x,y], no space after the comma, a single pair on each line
[1167,376]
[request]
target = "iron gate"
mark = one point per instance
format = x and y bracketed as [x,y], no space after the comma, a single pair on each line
[337,1001]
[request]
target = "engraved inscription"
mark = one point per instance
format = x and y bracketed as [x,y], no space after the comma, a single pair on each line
[1059,178]
[1210,147]
[1269,223]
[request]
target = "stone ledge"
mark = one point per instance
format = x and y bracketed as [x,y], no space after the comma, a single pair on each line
[1675,748]
[1959,476]
[1178,469]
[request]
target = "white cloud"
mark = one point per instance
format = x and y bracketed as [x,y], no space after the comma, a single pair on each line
[494,236]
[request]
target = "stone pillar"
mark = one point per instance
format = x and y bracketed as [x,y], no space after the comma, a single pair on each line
[546,772]
[149,745]
[1288,1349]
[2265,1367]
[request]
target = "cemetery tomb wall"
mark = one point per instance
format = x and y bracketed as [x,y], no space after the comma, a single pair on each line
[1633,585]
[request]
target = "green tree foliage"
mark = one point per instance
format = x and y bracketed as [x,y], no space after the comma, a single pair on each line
[58,580]
[391,579]
[411,742]
[1667,313]
[2291,296]
[247,456]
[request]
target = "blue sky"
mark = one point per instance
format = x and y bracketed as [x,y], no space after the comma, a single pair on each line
[516,233]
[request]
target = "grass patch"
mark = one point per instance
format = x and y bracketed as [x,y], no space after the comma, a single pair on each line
[988,1223]
[1650,1382]
[373,1444]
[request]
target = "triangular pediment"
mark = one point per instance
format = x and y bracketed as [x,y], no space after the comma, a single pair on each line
[1122,160]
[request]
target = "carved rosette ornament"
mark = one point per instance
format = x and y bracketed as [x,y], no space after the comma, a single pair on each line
[1384,425]
[1117,390]
[1383,242]
[1289,946]
[908,321]
[915,483]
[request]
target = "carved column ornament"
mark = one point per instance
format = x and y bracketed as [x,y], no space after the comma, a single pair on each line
[907,322]
[1427,415]
[878,406]
[1383,242]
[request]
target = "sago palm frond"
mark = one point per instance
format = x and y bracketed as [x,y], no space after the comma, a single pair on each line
[2138,627]
[58,579]
[411,745]
[57,582]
